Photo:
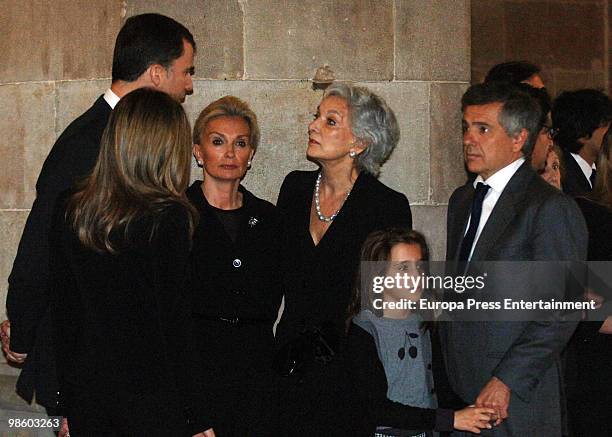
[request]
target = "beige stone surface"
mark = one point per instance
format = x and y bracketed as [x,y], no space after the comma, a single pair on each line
[26,135]
[573,80]
[432,40]
[284,110]
[407,170]
[577,34]
[11,227]
[431,221]
[290,39]
[447,169]
[58,40]
[488,38]
[74,98]
[216,26]
[527,35]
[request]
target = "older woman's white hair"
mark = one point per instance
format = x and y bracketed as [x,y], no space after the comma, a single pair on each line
[372,122]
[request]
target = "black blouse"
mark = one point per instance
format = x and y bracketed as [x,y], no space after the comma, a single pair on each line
[319,279]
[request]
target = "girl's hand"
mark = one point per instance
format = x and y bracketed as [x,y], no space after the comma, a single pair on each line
[473,419]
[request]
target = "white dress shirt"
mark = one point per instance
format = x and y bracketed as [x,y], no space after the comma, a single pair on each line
[111,98]
[497,181]
[585,167]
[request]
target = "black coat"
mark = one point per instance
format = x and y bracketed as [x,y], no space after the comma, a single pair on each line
[318,283]
[123,330]
[236,296]
[589,353]
[73,156]
[574,182]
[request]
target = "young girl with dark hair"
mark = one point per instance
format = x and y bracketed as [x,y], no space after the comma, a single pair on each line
[393,358]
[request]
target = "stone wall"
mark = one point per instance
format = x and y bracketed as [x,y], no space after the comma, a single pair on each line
[416,54]
[570,39]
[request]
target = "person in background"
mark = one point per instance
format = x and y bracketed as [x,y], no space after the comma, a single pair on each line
[544,139]
[527,77]
[235,264]
[397,373]
[329,213]
[516,72]
[589,354]
[553,172]
[119,258]
[580,120]
[151,50]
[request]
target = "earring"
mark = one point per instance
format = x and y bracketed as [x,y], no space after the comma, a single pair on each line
[352,153]
[249,164]
[200,163]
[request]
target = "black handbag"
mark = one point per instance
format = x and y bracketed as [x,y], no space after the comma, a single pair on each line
[313,345]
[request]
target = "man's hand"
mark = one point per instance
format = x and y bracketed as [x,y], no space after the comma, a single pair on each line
[495,395]
[5,336]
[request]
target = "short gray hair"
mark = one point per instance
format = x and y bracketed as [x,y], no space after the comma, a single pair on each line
[372,122]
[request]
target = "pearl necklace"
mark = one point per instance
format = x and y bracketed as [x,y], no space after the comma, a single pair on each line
[322,217]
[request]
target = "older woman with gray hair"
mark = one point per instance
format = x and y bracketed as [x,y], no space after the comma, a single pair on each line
[330,212]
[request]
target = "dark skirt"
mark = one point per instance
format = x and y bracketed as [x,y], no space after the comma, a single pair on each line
[235,362]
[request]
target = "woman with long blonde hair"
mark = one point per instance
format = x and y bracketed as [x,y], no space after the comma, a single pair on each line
[119,255]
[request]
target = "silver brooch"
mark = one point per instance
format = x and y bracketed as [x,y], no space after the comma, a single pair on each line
[253,221]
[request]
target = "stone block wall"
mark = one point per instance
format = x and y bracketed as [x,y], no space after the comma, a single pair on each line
[570,39]
[415,53]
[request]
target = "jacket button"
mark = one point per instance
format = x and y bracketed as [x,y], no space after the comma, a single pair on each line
[236,263]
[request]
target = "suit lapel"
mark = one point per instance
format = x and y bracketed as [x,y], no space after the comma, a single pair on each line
[459,221]
[574,180]
[503,212]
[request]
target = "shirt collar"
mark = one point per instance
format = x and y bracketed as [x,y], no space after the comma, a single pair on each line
[584,166]
[111,98]
[498,180]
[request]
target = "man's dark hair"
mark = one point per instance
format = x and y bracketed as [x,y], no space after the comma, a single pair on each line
[576,114]
[512,72]
[519,110]
[145,40]
[542,97]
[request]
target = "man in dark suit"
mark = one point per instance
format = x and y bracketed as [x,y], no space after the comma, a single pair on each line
[508,213]
[580,121]
[151,50]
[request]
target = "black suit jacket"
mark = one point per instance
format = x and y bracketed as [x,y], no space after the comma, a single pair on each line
[73,156]
[318,284]
[574,181]
[319,278]
[531,221]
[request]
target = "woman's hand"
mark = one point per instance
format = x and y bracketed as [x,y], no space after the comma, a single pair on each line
[208,433]
[473,419]
[64,431]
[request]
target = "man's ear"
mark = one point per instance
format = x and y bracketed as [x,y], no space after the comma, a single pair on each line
[519,140]
[156,74]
